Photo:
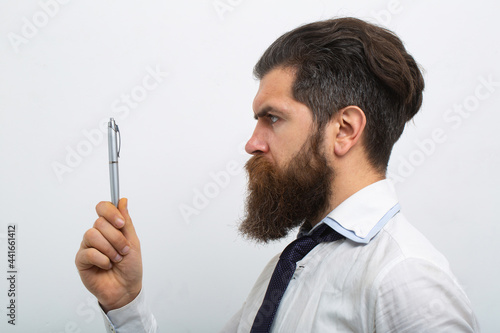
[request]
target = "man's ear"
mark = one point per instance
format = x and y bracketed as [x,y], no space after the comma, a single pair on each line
[350,124]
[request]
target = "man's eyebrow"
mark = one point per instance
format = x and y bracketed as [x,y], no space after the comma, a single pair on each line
[266,110]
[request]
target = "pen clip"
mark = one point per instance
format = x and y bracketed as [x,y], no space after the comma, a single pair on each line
[120,140]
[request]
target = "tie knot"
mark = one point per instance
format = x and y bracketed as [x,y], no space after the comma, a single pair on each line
[298,249]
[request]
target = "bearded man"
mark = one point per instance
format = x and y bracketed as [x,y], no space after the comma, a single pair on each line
[334,97]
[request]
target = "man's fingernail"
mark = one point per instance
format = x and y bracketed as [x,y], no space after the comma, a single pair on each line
[125,250]
[118,258]
[120,223]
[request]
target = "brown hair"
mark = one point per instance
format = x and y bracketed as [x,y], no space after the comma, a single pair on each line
[347,61]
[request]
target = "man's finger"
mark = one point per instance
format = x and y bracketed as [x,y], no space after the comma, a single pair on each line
[107,210]
[100,240]
[115,237]
[89,257]
[128,230]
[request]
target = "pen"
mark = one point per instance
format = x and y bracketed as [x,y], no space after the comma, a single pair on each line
[114,153]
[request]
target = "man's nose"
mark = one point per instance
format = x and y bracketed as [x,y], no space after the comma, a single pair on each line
[257,143]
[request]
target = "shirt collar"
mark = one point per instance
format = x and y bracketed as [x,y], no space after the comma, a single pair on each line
[361,216]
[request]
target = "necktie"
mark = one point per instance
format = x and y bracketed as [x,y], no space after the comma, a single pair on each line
[283,273]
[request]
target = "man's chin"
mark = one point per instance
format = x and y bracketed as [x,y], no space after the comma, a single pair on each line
[256,231]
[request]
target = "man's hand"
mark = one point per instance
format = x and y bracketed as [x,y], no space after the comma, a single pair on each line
[109,260]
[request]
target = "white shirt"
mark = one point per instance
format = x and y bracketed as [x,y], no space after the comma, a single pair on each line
[384,277]
[135,317]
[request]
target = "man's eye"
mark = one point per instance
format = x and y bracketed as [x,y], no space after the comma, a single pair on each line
[272,118]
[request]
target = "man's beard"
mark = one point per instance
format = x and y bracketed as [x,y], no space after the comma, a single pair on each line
[280,200]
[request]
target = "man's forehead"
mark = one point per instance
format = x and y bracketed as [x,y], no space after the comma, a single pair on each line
[275,90]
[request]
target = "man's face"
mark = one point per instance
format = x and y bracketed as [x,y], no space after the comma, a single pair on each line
[289,178]
[283,124]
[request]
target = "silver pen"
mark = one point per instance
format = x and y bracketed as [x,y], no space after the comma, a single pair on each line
[114,153]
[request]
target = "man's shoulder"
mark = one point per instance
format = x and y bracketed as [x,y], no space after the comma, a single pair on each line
[400,238]
[398,244]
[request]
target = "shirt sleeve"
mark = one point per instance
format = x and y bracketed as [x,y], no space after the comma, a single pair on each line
[135,317]
[418,296]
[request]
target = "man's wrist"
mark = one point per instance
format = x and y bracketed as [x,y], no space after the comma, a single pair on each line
[126,299]
[132,317]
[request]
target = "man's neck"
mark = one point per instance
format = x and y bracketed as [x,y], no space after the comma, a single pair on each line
[343,187]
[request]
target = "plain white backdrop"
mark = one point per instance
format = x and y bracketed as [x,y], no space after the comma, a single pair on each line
[177,77]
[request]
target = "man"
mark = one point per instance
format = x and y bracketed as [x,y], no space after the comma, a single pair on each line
[334,97]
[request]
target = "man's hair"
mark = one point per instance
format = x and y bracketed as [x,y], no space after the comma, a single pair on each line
[347,61]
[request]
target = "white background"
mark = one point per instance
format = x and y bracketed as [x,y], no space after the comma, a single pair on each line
[59,79]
